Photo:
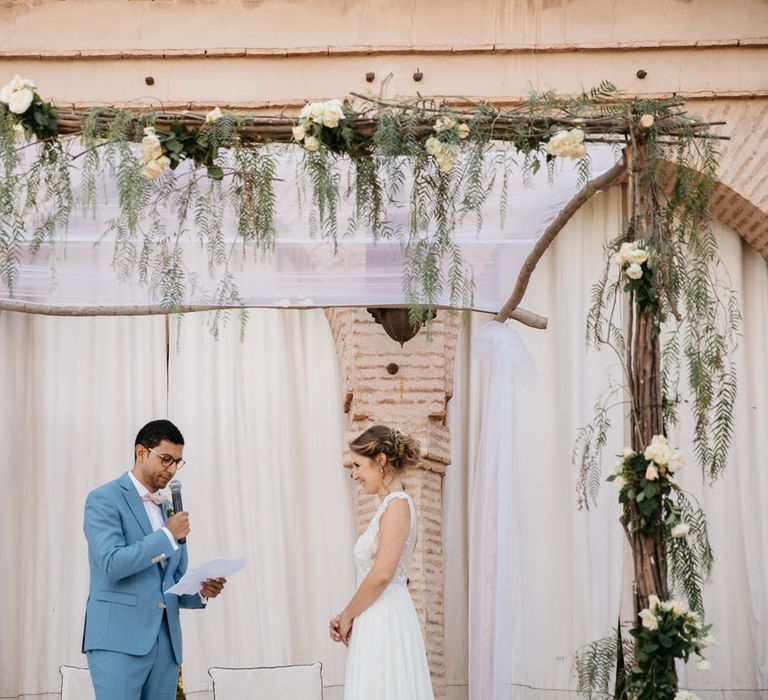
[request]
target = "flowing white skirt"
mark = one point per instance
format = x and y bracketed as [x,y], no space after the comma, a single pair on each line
[386,658]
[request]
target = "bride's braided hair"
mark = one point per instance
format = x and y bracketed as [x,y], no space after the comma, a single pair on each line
[400,450]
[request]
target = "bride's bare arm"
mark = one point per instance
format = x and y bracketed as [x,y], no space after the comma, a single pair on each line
[393,532]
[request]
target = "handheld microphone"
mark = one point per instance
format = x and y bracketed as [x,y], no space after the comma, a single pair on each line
[175,487]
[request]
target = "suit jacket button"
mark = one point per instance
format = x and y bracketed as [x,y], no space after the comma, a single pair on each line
[161,605]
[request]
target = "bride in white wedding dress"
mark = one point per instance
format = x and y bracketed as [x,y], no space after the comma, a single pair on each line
[386,659]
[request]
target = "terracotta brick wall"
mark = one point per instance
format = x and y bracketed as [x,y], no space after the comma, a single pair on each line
[413,400]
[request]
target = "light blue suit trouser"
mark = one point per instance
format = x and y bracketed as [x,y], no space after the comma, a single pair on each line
[118,676]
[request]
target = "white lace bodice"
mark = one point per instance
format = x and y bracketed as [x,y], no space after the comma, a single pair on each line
[368,543]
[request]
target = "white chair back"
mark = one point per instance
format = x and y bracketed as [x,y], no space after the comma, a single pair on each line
[76,684]
[303,682]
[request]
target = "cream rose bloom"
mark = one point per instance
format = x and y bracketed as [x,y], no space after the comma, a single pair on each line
[156,167]
[646,121]
[622,257]
[627,452]
[311,144]
[678,608]
[298,132]
[433,146]
[214,115]
[650,621]
[707,641]
[463,131]
[333,112]
[444,123]
[676,461]
[18,131]
[16,84]
[638,255]
[652,473]
[653,602]
[680,530]
[151,148]
[20,100]
[634,271]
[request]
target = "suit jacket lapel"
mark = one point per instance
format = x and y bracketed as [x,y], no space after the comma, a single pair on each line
[134,503]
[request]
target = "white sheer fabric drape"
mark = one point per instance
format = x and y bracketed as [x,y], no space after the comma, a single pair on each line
[304,270]
[557,580]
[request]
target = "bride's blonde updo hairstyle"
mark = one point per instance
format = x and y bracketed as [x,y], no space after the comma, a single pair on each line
[400,450]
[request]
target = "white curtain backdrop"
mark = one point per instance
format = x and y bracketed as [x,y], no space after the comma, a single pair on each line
[263,428]
[263,425]
[74,394]
[264,422]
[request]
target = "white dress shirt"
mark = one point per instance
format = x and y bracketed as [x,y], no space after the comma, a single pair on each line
[154,513]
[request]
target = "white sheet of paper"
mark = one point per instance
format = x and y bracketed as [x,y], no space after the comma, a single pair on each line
[192,581]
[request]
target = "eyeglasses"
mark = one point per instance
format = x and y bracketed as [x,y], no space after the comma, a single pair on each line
[167,460]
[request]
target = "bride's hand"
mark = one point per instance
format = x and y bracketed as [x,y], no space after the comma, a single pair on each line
[344,628]
[334,629]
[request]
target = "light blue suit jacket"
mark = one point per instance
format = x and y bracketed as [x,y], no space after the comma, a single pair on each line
[126,599]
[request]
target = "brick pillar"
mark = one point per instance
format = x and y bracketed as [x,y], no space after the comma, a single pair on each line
[413,400]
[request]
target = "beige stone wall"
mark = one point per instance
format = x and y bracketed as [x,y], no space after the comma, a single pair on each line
[273,55]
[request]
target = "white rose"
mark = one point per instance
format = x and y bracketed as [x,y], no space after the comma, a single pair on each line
[577,135]
[658,440]
[707,641]
[620,481]
[311,144]
[622,257]
[316,111]
[151,170]
[634,271]
[214,115]
[650,622]
[676,461]
[18,131]
[151,148]
[627,452]
[704,665]
[304,114]
[646,121]
[638,255]
[5,93]
[680,530]
[20,100]
[433,146]
[444,123]
[578,151]
[298,132]
[693,618]
[559,143]
[653,602]
[678,608]
[331,118]
[463,131]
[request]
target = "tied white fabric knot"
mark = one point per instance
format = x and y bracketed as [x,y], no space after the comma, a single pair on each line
[157,498]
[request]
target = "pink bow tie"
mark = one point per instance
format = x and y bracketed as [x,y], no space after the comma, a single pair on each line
[157,498]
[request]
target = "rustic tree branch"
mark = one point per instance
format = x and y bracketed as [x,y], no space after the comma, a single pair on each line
[608,178]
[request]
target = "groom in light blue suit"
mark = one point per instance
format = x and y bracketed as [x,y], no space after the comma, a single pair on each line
[132,634]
